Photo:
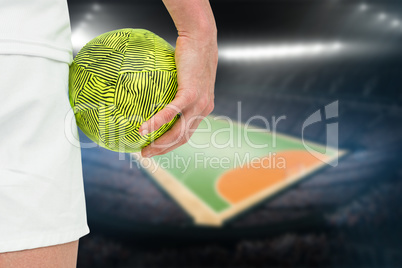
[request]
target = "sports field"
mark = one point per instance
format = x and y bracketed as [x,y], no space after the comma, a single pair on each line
[228,167]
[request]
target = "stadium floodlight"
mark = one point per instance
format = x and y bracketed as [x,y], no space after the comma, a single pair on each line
[81,25]
[382,16]
[96,7]
[363,7]
[278,51]
[337,46]
[318,48]
[79,39]
[395,23]
[89,16]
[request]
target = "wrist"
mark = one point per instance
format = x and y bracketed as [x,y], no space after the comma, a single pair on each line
[199,28]
[192,18]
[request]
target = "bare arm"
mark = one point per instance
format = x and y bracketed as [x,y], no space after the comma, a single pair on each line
[62,256]
[196,60]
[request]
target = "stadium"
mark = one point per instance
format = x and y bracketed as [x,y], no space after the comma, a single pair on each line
[285,59]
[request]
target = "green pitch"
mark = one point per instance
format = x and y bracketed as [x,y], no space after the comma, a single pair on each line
[227,167]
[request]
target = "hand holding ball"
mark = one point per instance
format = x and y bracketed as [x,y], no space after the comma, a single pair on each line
[119,80]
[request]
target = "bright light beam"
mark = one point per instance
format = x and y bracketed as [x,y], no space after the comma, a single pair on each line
[382,16]
[395,23]
[278,51]
[363,7]
[89,16]
[96,7]
[79,39]
[337,46]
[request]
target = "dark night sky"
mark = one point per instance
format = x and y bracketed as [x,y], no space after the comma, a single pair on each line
[376,41]
[276,19]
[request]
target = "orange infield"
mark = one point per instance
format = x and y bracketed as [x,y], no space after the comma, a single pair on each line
[239,184]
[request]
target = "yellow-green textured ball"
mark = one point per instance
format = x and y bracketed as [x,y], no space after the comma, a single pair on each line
[119,80]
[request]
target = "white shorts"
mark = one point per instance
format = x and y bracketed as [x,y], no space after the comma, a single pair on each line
[42,200]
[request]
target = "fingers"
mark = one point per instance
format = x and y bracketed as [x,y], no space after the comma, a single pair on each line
[150,151]
[170,138]
[178,135]
[182,100]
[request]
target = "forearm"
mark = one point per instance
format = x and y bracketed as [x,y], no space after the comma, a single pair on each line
[193,18]
[196,56]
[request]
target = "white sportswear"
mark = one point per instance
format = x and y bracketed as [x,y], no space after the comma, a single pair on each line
[42,200]
[36,28]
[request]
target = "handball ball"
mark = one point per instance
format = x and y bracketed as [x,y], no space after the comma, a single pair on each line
[119,80]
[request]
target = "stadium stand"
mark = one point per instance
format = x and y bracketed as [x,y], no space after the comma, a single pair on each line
[349,215]
[367,130]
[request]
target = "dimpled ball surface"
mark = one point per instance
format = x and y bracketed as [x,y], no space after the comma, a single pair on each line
[119,80]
